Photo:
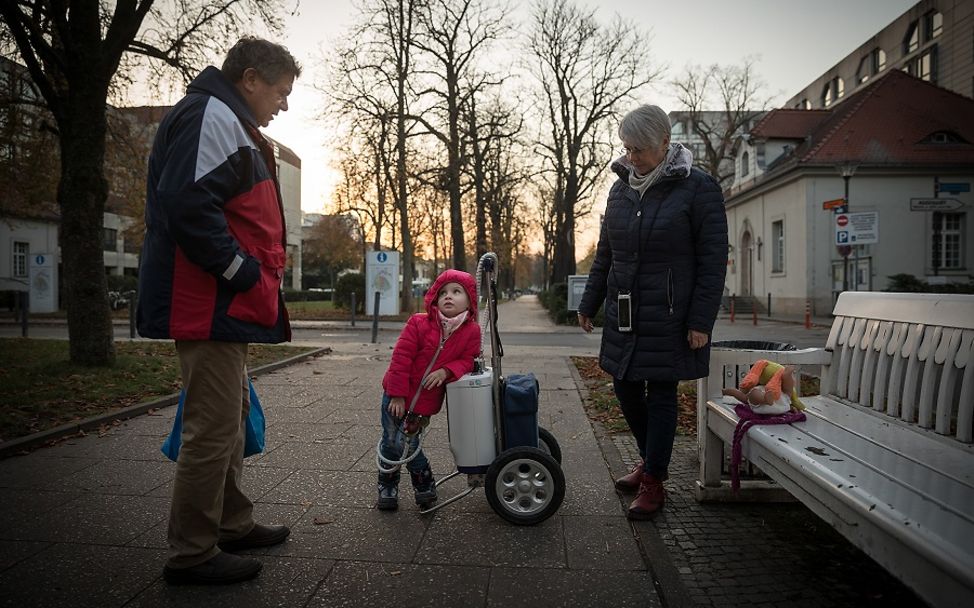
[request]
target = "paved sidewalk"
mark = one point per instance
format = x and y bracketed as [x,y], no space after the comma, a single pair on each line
[83,523]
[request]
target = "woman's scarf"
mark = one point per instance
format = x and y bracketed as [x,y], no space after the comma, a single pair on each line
[642,183]
[450,324]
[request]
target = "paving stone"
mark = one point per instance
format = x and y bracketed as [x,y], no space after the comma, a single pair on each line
[13,551]
[530,588]
[80,575]
[475,540]
[355,584]
[123,477]
[283,581]
[96,519]
[601,543]
[33,471]
[354,534]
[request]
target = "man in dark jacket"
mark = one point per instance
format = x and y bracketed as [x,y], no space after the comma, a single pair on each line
[659,266]
[210,279]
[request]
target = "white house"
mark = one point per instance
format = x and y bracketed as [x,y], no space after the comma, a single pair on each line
[905,150]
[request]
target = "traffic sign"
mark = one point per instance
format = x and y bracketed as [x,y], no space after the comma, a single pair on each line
[935,204]
[832,204]
[860,228]
[954,188]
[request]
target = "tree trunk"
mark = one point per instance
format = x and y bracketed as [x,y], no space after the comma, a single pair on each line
[564,254]
[81,196]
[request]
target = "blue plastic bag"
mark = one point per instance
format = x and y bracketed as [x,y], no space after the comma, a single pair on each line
[254,438]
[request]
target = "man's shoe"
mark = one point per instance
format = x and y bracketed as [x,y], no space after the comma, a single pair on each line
[221,569]
[649,500]
[260,536]
[630,483]
[388,497]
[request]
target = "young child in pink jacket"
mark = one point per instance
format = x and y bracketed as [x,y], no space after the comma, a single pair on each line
[447,335]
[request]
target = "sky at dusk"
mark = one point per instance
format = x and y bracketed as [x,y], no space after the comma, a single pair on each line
[793,42]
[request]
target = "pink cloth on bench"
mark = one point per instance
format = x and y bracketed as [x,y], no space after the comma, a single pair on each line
[748,419]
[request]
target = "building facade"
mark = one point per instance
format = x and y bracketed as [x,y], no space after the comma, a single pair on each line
[932,41]
[900,151]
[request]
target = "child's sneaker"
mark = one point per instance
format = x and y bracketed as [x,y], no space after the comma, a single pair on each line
[388,492]
[425,487]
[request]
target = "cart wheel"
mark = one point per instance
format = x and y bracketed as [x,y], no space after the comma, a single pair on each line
[548,444]
[525,486]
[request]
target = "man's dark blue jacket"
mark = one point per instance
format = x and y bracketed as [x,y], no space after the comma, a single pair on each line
[214,251]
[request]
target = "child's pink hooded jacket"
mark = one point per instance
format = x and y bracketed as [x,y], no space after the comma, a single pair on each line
[418,342]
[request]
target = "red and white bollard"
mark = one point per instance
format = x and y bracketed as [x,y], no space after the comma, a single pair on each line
[808,314]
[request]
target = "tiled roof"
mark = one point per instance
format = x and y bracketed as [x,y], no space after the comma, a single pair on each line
[788,124]
[886,123]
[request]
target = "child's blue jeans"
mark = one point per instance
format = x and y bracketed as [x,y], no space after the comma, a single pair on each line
[393,440]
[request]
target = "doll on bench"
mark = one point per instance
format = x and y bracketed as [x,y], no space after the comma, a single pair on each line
[768,388]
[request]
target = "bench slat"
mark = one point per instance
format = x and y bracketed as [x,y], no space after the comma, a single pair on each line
[894,398]
[908,401]
[928,381]
[883,360]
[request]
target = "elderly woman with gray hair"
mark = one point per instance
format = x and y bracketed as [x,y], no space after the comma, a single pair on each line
[659,267]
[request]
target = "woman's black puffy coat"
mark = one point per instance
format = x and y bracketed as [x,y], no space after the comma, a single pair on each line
[670,252]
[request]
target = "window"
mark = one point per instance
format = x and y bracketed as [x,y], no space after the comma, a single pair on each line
[109,239]
[678,128]
[924,66]
[911,41]
[933,25]
[943,137]
[778,246]
[833,91]
[745,164]
[879,60]
[19,259]
[864,71]
[948,240]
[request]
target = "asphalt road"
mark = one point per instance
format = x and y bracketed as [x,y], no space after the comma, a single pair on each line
[724,330]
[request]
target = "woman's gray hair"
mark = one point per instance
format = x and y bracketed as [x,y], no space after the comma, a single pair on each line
[645,127]
[272,61]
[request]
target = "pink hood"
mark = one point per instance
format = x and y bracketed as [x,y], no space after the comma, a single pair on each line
[452,276]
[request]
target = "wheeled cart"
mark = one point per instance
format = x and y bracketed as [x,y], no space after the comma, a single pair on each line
[494,433]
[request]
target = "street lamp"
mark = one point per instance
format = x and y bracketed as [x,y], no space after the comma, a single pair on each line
[847,170]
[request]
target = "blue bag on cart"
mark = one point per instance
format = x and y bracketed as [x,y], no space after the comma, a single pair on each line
[520,411]
[254,439]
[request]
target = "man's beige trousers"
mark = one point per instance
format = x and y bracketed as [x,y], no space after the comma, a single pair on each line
[207,502]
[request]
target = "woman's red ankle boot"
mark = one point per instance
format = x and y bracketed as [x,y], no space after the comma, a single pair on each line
[649,500]
[630,483]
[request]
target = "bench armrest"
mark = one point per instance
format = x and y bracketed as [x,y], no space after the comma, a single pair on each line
[743,356]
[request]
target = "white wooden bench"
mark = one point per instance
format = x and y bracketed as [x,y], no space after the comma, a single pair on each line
[885,455]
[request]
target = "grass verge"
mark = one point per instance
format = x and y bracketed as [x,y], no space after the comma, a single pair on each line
[602,406]
[40,389]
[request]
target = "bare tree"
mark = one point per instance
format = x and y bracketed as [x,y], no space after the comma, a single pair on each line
[721,102]
[490,132]
[73,51]
[370,81]
[585,71]
[453,34]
